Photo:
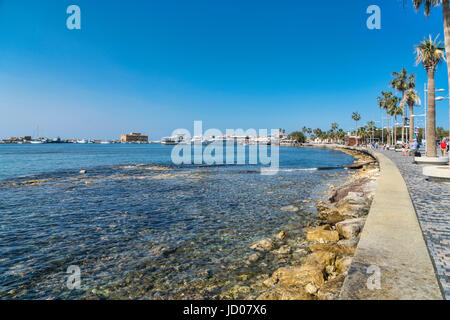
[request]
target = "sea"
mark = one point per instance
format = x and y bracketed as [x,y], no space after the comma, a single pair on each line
[137,226]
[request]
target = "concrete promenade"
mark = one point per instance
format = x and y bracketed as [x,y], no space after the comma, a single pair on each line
[393,244]
[432,203]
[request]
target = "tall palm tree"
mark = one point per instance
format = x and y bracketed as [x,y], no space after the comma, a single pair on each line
[411,98]
[401,83]
[384,103]
[394,111]
[356,116]
[428,4]
[430,53]
[371,128]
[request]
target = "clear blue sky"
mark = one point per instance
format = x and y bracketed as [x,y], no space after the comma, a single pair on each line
[154,66]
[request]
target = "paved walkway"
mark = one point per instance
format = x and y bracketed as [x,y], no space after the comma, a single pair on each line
[432,203]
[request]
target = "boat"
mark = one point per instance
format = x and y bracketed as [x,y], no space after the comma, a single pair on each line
[168,141]
[82,141]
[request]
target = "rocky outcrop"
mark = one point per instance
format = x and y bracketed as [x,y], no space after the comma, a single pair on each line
[332,243]
[322,236]
[350,228]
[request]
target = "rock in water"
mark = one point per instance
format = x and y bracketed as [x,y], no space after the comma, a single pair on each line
[289,208]
[263,245]
[281,235]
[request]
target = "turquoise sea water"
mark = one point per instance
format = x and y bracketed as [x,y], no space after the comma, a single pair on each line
[138,226]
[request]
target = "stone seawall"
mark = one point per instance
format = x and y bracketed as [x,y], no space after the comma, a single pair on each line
[391,261]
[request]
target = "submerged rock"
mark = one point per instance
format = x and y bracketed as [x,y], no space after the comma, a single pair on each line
[263,245]
[285,249]
[281,235]
[290,208]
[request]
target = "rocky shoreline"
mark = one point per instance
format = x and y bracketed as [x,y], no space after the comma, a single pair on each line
[331,242]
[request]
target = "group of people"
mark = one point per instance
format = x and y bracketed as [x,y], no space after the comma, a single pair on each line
[410,149]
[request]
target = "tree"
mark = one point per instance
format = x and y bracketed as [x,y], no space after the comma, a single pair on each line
[356,116]
[430,53]
[371,128]
[401,83]
[297,136]
[383,103]
[428,4]
[411,98]
[394,111]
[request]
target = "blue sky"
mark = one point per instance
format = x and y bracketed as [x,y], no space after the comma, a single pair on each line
[154,66]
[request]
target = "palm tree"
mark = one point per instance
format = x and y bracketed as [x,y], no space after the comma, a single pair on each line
[394,111]
[411,98]
[430,53]
[371,128]
[403,82]
[356,116]
[384,103]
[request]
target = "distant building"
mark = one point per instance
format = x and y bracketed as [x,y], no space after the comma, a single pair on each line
[134,137]
[352,141]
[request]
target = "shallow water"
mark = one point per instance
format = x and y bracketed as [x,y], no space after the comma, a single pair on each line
[139,227]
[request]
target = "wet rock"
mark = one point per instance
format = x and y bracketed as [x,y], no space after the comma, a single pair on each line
[331,289]
[282,250]
[337,249]
[290,208]
[263,245]
[322,236]
[281,235]
[34,182]
[350,228]
[253,258]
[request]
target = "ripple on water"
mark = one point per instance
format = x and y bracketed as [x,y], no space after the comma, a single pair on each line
[141,231]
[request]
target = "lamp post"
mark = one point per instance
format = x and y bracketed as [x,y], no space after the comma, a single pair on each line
[426,108]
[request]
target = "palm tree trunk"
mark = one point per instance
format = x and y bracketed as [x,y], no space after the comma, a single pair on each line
[395,131]
[446,15]
[403,106]
[431,115]
[388,136]
[411,123]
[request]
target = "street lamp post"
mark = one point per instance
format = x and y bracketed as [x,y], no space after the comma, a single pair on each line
[426,109]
